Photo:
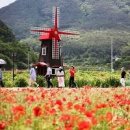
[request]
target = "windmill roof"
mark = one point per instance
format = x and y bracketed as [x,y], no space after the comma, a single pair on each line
[45,36]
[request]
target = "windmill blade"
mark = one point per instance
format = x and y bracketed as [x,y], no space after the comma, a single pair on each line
[55,49]
[39,30]
[55,18]
[67,33]
[73,34]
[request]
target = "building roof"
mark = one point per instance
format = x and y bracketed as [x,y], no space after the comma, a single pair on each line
[45,36]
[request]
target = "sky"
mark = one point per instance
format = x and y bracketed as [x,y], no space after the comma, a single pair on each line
[5,2]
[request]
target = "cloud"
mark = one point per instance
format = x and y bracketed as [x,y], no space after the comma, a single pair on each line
[5,2]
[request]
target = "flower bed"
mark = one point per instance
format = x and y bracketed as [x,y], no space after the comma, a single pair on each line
[65,109]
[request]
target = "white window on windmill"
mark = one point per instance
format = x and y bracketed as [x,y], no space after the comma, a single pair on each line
[44,51]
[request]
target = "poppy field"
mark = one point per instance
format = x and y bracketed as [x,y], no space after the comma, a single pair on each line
[84,108]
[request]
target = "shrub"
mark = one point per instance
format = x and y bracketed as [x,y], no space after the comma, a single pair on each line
[54,81]
[112,82]
[128,82]
[41,81]
[105,84]
[81,83]
[97,83]
[22,65]
[21,82]
[9,83]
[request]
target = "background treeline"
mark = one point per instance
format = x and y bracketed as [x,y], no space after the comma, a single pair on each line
[9,46]
[93,49]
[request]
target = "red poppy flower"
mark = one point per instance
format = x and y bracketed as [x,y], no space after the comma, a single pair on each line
[65,118]
[37,111]
[28,122]
[89,114]
[2,125]
[18,110]
[52,111]
[30,99]
[68,128]
[84,125]
[64,99]
[58,102]
[69,105]
[102,105]
[109,116]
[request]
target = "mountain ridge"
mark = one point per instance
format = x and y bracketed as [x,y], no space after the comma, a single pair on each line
[6,34]
[79,14]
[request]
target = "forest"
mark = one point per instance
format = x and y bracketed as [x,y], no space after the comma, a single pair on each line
[9,46]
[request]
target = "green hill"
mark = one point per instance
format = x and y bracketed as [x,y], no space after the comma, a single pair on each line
[5,33]
[79,14]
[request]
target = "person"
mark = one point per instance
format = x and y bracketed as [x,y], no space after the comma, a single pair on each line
[32,76]
[48,76]
[123,76]
[72,72]
[1,78]
[60,77]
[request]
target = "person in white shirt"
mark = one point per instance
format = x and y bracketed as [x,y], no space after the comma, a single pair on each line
[123,77]
[32,76]
[60,77]
[48,77]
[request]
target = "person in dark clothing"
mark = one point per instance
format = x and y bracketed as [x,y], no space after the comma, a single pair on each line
[48,77]
[72,72]
[123,76]
[1,78]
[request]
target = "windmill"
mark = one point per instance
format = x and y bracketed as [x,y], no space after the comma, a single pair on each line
[50,43]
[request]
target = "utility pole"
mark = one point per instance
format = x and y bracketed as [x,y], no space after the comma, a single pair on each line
[13,55]
[28,59]
[112,70]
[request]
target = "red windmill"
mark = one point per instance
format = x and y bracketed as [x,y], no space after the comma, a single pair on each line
[50,48]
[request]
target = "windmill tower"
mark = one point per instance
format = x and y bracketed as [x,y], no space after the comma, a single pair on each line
[50,45]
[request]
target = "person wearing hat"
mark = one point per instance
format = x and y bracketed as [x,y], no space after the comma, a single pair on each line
[60,77]
[1,78]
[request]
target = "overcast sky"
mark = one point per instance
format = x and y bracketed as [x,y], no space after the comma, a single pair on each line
[5,2]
